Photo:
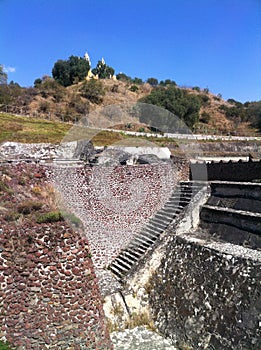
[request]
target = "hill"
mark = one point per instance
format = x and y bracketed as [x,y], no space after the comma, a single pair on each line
[50,100]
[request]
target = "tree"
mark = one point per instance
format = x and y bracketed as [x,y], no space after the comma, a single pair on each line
[71,71]
[137,81]
[152,81]
[177,101]
[123,77]
[3,75]
[167,82]
[37,82]
[102,70]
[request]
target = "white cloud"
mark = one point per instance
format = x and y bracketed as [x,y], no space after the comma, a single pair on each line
[9,69]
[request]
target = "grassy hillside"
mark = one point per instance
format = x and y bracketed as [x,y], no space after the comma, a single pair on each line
[31,130]
[54,102]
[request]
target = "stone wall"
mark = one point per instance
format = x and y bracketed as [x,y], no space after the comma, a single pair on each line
[205,293]
[206,298]
[49,294]
[226,171]
[114,203]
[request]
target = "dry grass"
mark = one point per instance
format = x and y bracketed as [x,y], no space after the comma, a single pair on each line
[30,130]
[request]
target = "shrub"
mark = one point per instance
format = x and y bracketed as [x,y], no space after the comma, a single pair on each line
[11,216]
[196,88]
[52,216]
[44,106]
[5,188]
[115,88]
[134,88]
[204,117]
[27,207]
[123,77]
[93,91]
[103,71]
[204,99]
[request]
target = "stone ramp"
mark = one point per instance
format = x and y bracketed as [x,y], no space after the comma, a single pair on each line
[149,234]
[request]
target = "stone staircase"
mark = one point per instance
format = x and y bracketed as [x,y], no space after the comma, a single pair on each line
[148,235]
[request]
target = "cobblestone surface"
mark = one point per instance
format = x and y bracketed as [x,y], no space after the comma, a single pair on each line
[140,338]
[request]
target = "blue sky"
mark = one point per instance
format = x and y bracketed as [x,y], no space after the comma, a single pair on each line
[205,43]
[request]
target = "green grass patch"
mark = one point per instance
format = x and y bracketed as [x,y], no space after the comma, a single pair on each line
[4,346]
[53,216]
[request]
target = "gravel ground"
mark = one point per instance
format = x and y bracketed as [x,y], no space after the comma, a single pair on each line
[140,338]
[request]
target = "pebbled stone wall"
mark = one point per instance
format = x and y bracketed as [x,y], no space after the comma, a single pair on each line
[49,294]
[113,203]
[207,295]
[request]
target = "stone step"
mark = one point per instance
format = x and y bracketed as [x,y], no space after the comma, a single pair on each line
[178,200]
[168,213]
[120,262]
[122,259]
[136,248]
[145,233]
[154,225]
[161,222]
[132,254]
[116,272]
[170,209]
[175,209]
[139,244]
[144,241]
[165,218]
[129,260]
[181,197]
[119,267]
[152,231]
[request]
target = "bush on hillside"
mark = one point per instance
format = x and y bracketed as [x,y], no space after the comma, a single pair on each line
[27,207]
[93,91]
[134,88]
[177,101]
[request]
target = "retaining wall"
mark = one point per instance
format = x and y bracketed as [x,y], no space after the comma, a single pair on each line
[207,296]
[226,171]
